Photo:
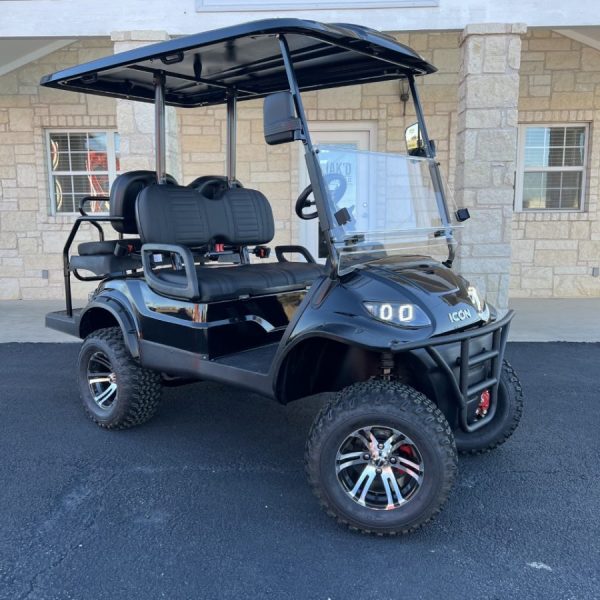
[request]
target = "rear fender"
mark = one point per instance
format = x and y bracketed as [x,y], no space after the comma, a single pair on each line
[108,311]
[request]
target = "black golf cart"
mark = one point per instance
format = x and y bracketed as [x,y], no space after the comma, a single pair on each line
[188,291]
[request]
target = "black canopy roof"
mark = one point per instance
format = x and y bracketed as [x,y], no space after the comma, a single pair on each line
[200,69]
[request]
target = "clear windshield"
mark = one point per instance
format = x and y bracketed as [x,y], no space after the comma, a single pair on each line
[384,205]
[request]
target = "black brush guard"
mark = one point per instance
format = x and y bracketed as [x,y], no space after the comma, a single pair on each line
[457,371]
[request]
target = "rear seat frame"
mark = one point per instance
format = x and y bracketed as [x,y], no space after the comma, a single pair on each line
[94,220]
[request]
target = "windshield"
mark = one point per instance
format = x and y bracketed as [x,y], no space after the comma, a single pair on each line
[384,205]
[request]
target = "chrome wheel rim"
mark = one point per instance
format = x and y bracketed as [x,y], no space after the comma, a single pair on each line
[379,467]
[102,380]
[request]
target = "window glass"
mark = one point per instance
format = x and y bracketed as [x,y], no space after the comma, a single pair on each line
[82,163]
[551,167]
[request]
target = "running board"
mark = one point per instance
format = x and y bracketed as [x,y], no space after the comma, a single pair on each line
[184,363]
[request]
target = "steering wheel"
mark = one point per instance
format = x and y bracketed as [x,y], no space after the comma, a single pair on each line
[303,202]
[336,186]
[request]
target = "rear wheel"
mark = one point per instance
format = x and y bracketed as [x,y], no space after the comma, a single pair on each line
[505,421]
[116,391]
[381,459]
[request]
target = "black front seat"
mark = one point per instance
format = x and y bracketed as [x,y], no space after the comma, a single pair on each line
[104,257]
[182,217]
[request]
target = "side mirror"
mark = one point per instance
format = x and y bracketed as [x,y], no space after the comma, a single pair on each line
[462,215]
[279,119]
[414,141]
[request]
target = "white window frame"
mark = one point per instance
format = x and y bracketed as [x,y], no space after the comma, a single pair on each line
[110,151]
[521,170]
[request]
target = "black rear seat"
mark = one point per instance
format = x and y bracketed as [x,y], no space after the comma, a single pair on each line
[181,216]
[102,257]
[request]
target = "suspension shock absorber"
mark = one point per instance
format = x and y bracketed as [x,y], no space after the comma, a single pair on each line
[387,365]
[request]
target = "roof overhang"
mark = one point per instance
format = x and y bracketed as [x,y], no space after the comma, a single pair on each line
[17,52]
[203,69]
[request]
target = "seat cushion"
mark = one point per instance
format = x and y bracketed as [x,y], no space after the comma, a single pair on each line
[170,214]
[92,248]
[108,246]
[104,265]
[224,283]
[123,194]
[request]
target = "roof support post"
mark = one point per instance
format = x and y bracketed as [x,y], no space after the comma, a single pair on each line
[231,136]
[436,177]
[319,189]
[160,137]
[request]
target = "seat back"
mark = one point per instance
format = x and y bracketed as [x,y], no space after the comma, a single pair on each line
[170,214]
[123,194]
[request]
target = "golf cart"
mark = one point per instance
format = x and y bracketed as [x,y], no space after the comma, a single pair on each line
[411,353]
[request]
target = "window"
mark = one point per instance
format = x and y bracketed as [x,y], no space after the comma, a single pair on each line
[551,167]
[81,163]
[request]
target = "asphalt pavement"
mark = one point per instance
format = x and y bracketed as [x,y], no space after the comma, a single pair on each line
[209,500]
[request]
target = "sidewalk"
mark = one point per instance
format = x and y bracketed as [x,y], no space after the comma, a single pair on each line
[565,320]
[556,320]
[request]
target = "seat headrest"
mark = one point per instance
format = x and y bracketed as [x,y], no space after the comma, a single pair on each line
[170,214]
[123,193]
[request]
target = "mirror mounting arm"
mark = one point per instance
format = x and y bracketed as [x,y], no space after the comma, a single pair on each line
[429,147]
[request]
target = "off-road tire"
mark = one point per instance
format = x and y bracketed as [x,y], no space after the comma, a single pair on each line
[505,421]
[385,403]
[138,389]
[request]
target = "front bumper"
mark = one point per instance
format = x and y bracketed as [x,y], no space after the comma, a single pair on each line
[471,362]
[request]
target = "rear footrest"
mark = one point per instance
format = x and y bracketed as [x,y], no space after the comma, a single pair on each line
[61,321]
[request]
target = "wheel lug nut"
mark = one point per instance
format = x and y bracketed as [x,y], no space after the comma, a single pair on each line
[378,471]
[393,460]
[380,446]
[366,456]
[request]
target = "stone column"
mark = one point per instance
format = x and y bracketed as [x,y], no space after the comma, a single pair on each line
[135,120]
[486,151]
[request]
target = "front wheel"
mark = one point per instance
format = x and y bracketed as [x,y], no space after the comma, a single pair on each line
[116,391]
[381,458]
[505,421]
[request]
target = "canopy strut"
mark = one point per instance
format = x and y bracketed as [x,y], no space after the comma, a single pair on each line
[231,136]
[159,124]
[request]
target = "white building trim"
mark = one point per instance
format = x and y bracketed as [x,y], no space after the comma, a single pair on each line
[580,37]
[66,18]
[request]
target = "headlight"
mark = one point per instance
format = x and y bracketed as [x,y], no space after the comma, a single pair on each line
[477,301]
[404,315]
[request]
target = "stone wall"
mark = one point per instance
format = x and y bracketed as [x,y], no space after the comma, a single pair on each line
[31,240]
[554,252]
[486,152]
[268,168]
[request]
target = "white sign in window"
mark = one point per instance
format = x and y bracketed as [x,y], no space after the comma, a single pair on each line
[551,165]
[80,164]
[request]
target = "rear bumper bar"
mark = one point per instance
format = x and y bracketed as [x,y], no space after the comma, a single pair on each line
[456,359]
